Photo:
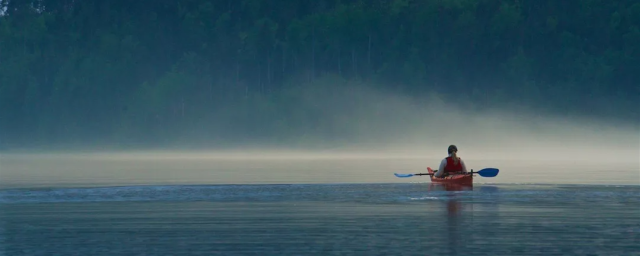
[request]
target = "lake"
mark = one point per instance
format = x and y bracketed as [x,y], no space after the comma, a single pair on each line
[114,205]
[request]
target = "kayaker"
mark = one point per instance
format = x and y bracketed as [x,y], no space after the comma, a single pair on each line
[451,164]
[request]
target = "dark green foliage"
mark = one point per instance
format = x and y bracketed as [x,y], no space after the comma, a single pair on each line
[219,70]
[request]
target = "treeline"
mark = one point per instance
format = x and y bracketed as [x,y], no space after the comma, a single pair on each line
[155,70]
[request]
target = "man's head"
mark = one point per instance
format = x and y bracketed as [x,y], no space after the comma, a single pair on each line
[452,149]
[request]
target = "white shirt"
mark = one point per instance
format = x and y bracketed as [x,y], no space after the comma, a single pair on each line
[443,164]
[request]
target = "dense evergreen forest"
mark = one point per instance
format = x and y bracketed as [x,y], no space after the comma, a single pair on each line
[149,72]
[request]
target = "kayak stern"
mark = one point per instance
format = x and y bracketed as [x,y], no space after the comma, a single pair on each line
[460,179]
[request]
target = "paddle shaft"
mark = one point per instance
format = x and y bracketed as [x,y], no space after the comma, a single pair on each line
[435,171]
[486,172]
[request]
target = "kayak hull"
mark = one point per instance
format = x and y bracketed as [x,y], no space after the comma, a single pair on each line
[458,179]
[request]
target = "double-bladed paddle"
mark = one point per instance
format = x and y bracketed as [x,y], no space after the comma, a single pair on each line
[486,172]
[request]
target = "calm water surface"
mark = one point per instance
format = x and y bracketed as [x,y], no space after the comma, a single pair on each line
[316,219]
[114,206]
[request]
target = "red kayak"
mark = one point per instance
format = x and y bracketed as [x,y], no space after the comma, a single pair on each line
[459,179]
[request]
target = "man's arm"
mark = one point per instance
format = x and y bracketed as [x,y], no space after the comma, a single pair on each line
[440,172]
[464,167]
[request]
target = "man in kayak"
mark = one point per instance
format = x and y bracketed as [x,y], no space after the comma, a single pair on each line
[451,164]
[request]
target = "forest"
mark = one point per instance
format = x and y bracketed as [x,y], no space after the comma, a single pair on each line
[153,72]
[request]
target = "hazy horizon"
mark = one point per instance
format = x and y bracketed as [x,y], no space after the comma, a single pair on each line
[354,117]
[525,147]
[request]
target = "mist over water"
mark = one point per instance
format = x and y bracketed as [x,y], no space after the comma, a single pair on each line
[364,136]
[372,138]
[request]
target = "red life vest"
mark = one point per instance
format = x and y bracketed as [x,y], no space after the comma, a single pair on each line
[452,167]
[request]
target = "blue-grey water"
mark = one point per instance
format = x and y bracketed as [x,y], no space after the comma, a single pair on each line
[321,219]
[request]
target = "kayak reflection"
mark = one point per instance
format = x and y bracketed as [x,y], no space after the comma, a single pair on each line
[454,207]
[450,187]
[453,212]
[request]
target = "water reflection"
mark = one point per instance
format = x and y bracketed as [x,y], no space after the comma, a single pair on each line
[350,219]
[453,214]
[454,207]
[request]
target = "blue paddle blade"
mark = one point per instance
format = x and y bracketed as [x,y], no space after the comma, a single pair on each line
[488,172]
[403,175]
